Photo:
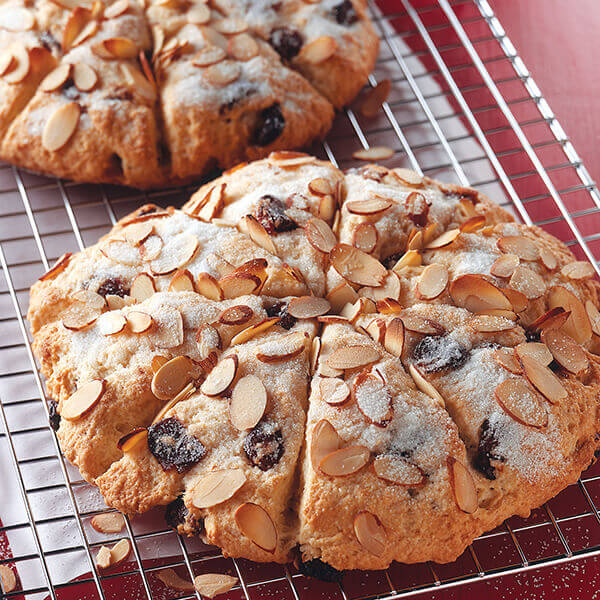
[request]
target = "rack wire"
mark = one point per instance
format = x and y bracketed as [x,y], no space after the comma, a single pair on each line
[464,108]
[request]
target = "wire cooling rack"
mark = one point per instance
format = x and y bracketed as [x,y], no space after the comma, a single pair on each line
[464,108]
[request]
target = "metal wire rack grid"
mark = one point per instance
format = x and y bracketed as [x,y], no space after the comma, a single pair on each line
[463,107]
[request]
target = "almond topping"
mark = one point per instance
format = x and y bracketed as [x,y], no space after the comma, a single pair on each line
[432,282]
[473,224]
[476,294]
[308,307]
[334,391]
[253,330]
[132,439]
[108,523]
[463,486]
[219,380]
[121,252]
[396,470]
[370,533]
[508,360]
[389,306]
[217,487]
[61,126]
[213,584]
[209,287]
[169,330]
[365,237]
[412,258]
[320,235]
[281,349]
[111,323]
[79,315]
[535,350]
[522,402]
[408,177]
[356,266]
[394,337]
[565,350]
[243,47]
[578,270]
[172,377]
[56,78]
[87,32]
[340,296]
[182,281]
[578,324]
[120,551]
[490,324]
[375,97]
[376,329]
[198,13]
[117,9]
[7,62]
[373,153]
[353,357]
[170,578]
[373,399]
[424,385]
[257,233]
[443,240]
[157,362]
[255,523]
[321,187]
[523,247]
[517,299]
[345,461]
[315,352]
[92,299]
[142,287]
[16,19]
[238,284]
[223,73]
[210,55]
[527,282]
[593,315]
[57,267]
[208,340]
[19,66]
[372,206]
[328,209]
[318,50]
[83,400]
[324,440]
[177,253]
[103,558]
[389,289]
[236,315]
[151,247]
[184,394]
[84,77]
[422,325]
[548,259]
[543,379]
[505,265]
[120,47]
[248,402]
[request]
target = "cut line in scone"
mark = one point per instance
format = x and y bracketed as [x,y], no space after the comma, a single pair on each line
[161,93]
[357,367]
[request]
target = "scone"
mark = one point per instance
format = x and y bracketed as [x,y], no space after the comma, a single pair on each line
[159,93]
[345,369]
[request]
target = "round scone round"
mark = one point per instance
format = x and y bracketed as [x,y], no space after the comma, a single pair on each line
[340,368]
[156,93]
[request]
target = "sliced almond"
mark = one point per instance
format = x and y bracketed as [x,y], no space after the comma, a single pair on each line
[370,533]
[375,97]
[175,255]
[248,402]
[508,360]
[132,439]
[352,357]
[315,353]
[142,287]
[374,153]
[209,287]
[182,281]
[88,30]
[290,158]
[397,470]
[424,385]
[281,349]
[57,267]
[213,584]
[157,362]
[169,330]
[548,259]
[321,187]
[593,315]
[16,19]
[184,394]
[578,324]
[208,340]
[223,73]
[198,13]
[519,245]
[345,461]
[522,402]
[473,224]
[373,399]
[92,299]
[172,377]
[543,379]
[394,337]
[463,486]
[328,210]
[7,62]
[365,237]
[389,289]
[217,487]
[334,391]
[238,284]
[490,324]
[376,329]
[422,325]
[219,380]
[432,282]
[356,266]
[136,233]
[111,323]
[19,66]
[308,307]
[210,55]
[114,302]
[477,294]
[83,400]
[103,558]
[120,551]
[389,306]
[565,350]
[535,350]
[371,206]
[116,9]
[243,47]
[318,50]
[121,252]
[151,247]
[230,26]
[409,259]
[443,240]
[120,47]
[108,522]
[254,330]
[341,295]
[79,315]
[578,270]
[255,523]
[56,78]
[236,315]
[528,282]
[61,126]
[324,440]
[170,578]
[408,177]
[505,265]
[257,233]
[517,299]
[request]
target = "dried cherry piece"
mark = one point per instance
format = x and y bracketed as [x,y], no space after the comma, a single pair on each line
[437,353]
[486,450]
[53,415]
[318,569]
[270,211]
[279,309]
[417,208]
[114,287]
[344,13]
[269,126]
[286,41]
[264,446]
[172,447]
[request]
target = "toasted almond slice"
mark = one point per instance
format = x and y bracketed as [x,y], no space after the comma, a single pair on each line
[61,126]
[548,259]
[151,247]
[169,330]
[176,254]
[505,265]
[223,73]
[565,350]
[290,158]
[208,340]
[522,402]
[324,440]
[505,314]
[352,357]
[396,470]
[463,486]
[308,307]
[213,584]
[490,323]
[528,282]
[242,47]
[114,302]
[103,558]
[517,299]
[593,315]
[248,402]
[198,14]
[22,65]
[535,350]
[412,258]
[389,306]
[7,62]
[255,523]
[373,399]
[16,19]
[184,394]
[328,210]
[281,349]
[376,329]
[375,97]
[370,533]
[182,281]
[170,578]
[210,55]
[543,379]
[389,289]
[371,206]
[508,360]
[318,50]
[120,551]
[424,385]
[157,362]
[422,325]
[473,224]
[172,377]
[416,239]
[108,522]
[345,461]
[142,287]
[88,30]
[408,177]
[116,9]
[92,299]
[121,252]
[341,295]
[230,26]
[236,315]
[220,379]
[56,78]
[79,316]
[334,391]
[578,324]
[477,294]
[238,284]
[374,153]
[443,240]
[131,440]
[520,245]
[111,323]
[578,270]
[315,352]
[136,233]
[356,266]
[320,235]
[321,187]
[432,282]
[257,233]
[365,237]
[57,267]
[394,337]
[253,330]
[80,402]
[209,287]
[77,21]
[120,47]
[217,487]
